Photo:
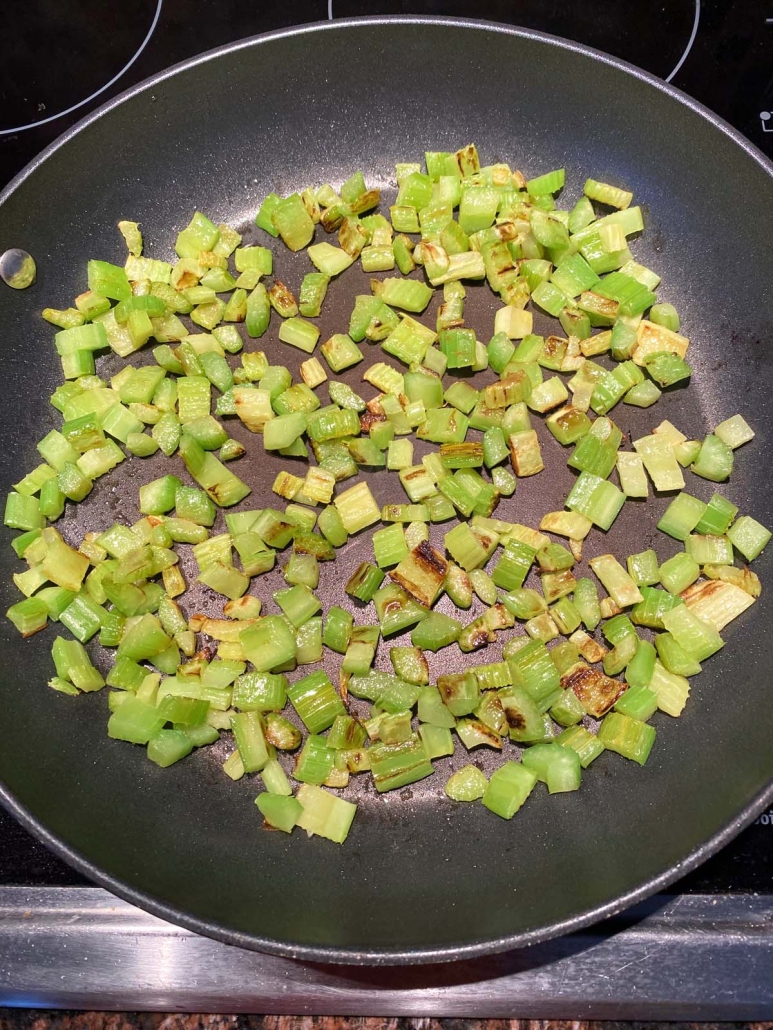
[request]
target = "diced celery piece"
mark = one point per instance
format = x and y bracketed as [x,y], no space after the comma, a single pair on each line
[749,536]
[508,789]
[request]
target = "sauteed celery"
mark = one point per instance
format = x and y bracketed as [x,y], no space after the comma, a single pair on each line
[566,659]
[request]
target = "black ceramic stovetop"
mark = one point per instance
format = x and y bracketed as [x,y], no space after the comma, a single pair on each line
[62,58]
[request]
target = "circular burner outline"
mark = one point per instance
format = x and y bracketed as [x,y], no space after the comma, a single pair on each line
[115,78]
[668,78]
[690,41]
[151,30]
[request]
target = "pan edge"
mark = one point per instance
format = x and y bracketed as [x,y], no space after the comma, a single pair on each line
[382,957]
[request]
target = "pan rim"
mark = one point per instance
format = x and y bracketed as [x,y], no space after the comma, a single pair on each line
[388,956]
[479,24]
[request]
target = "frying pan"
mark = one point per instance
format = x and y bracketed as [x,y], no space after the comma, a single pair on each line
[420,879]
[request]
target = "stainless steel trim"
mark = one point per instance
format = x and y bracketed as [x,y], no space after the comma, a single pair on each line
[682,957]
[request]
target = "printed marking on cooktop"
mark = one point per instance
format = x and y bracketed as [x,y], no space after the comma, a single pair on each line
[93,96]
[765,121]
[690,41]
[329,10]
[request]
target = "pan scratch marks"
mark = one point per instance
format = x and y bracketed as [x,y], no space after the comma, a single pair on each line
[635,961]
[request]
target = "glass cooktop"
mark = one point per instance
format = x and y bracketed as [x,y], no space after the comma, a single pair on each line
[65,57]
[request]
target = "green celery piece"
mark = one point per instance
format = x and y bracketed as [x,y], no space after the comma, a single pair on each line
[656,603]
[508,789]
[466,784]
[312,294]
[406,294]
[108,280]
[325,814]
[169,746]
[410,664]
[23,512]
[200,234]
[263,219]
[513,566]
[640,669]
[316,701]
[749,537]
[714,461]
[667,369]
[28,616]
[674,657]
[135,721]
[698,638]
[586,744]
[397,765]
[643,568]
[281,732]
[567,711]
[677,573]
[249,733]
[223,487]
[346,732]
[279,811]
[275,779]
[258,312]
[432,710]
[438,741]
[293,223]
[259,691]
[269,643]
[682,516]
[557,766]
[596,498]
[628,737]
[533,669]
[717,517]
[436,631]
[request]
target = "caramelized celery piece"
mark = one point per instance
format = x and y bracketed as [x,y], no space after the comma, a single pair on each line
[397,765]
[222,486]
[525,453]
[365,582]
[29,616]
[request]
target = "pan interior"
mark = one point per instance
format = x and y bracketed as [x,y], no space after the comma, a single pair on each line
[419,878]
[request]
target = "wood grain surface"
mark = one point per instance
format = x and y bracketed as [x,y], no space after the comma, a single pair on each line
[39,1019]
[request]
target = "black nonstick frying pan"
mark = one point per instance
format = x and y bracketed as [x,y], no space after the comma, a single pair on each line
[420,879]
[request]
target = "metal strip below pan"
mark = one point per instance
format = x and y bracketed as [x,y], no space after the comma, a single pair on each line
[681,957]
